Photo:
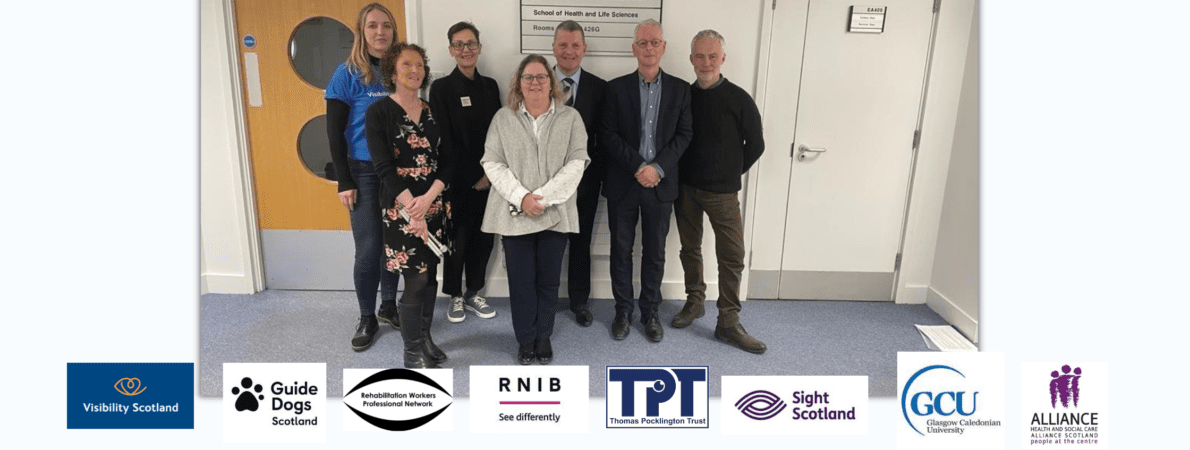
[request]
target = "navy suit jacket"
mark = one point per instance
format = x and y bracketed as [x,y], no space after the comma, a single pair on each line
[620,135]
[589,102]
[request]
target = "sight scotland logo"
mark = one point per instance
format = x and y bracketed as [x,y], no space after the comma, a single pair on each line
[1065,386]
[760,405]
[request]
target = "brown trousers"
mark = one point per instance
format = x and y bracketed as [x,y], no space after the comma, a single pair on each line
[728,226]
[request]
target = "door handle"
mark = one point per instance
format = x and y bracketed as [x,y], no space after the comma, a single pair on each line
[803,149]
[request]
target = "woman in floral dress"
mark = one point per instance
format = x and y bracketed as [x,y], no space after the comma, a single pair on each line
[403,142]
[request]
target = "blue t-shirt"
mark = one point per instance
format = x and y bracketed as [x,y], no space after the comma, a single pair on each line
[347,87]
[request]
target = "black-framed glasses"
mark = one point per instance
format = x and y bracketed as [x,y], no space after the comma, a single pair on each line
[471,45]
[538,78]
[655,43]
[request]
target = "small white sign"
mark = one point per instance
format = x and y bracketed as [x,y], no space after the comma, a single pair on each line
[274,403]
[789,405]
[867,19]
[607,24]
[950,400]
[398,399]
[530,399]
[1064,405]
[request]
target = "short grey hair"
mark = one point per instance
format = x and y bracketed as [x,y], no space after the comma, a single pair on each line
[570,25]
[649,22]
[708,34]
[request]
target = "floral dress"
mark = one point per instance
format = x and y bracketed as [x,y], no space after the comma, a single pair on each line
[407,156]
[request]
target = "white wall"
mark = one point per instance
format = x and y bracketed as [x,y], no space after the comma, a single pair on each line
[225,221]
[954,284]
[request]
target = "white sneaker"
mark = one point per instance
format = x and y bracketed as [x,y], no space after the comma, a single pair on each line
[455,313]
[479,306]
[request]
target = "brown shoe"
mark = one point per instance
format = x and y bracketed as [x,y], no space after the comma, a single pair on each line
[691,311]
[739,337]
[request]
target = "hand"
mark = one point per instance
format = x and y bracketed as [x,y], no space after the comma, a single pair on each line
[347,198]
[648,177]
[417,226]
[483,184]
[530,205]
[416,206]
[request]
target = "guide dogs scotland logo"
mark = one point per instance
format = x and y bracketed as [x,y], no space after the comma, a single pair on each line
[789,405]
[950,399]
[398,399]
[130,395]
[530,399]
[274,403]
[657,397]
[1064,405]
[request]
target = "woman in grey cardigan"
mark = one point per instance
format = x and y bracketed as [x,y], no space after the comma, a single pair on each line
[534,156]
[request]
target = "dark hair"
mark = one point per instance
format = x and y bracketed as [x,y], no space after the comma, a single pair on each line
[388,64]
[460,27]
[516,97]
[570,25]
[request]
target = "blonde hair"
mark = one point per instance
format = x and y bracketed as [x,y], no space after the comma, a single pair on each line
[358,59]
[516,97]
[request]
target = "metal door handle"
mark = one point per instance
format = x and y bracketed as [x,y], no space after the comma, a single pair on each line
[803,149]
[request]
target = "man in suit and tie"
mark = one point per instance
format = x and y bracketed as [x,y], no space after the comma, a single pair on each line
[583,91]
[646,128]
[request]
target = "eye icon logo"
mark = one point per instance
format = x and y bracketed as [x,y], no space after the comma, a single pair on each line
[760,405]
[129,386]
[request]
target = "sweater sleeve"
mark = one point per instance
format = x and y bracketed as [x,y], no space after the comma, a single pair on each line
[380,149]
[495,165]
[337,114]
[563,184]
[752,130]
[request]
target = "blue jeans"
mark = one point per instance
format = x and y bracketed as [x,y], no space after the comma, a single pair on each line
[368,232]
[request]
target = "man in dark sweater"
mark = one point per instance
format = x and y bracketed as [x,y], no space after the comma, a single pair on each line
[727,141]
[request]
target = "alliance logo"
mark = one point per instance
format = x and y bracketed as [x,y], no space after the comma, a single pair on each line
[1065,386]
[669,396]
[760,405]
[951,399]
[397,399]
[129,386]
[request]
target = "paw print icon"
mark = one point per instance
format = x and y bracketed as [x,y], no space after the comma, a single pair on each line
[247,400]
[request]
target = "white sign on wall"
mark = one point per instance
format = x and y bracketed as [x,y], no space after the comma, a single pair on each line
[607,24]
[867,19]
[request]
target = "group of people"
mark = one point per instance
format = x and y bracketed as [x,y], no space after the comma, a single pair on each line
[432,182]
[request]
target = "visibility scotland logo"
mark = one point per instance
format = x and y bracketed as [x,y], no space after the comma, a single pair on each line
[1064,405]
[118,395]
[657,397]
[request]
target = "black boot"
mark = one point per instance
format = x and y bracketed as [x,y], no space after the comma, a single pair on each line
[411,332]
[427,319]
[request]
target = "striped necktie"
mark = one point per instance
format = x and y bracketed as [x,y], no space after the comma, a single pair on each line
[567,83]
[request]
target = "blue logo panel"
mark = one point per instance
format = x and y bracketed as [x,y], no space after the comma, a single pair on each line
[130,395]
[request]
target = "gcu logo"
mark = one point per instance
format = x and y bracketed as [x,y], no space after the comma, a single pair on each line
[927,403]
[663,388]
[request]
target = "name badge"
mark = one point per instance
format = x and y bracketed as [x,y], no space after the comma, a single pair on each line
[466,101]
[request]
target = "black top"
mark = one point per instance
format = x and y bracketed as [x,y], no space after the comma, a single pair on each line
[728,138]
[464,109]
[406,155]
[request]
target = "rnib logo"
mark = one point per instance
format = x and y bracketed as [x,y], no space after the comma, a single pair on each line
[247,400]
[926,403]
[760,405]
[1065,387]
[663,388]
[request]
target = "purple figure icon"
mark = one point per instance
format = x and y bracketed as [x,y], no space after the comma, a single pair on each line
[1064,386]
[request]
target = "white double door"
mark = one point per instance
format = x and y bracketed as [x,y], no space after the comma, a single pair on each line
[841,110]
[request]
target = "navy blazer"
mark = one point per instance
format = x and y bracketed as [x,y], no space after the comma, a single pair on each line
[590,103]
[620,134]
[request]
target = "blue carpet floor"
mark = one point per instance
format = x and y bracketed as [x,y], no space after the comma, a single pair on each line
[803,337]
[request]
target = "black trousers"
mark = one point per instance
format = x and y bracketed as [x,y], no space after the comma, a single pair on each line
[534,278]
[472,247]
[638,204]
[578,277]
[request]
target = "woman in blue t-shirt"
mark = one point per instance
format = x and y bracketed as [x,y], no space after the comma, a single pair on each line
[352,89]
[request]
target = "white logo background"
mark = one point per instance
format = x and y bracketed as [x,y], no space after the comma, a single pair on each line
[1035,399]
[982,372]
[442,422]
[670,410]
[845,393]
[258,426]
[573,397]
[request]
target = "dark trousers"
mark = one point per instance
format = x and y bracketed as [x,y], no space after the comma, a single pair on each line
[623,213]
[368,233]
[578,278]
[723,210]
[534,277]
[472,247]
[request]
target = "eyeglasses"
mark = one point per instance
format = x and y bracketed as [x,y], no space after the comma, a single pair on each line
[471,45]
[539,78]
[655,43]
